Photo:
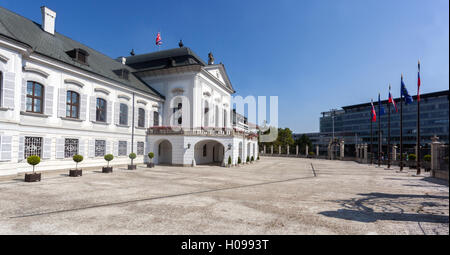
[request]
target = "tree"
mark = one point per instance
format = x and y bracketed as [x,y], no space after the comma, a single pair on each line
[284,139]
[302,142]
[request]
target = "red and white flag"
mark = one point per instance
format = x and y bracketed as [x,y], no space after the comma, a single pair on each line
[158,39]
[374,113]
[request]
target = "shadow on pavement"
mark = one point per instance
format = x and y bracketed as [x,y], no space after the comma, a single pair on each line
[373,207]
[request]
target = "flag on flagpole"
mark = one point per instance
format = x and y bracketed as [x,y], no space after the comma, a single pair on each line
[404,93]
[418,82]
[158,39]
[374,113]
[391,99]
[382,112]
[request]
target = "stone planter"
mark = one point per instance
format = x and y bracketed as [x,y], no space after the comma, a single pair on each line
[131,167]
[75,172]
[107,169]
[150,165]
[427,166]
[33,177]
[412,164]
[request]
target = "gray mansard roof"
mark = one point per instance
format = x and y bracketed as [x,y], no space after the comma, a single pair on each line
[23,30]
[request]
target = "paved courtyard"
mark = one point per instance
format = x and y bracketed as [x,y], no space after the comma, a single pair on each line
[272,196]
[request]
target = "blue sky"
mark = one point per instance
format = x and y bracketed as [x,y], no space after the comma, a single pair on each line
[314,55]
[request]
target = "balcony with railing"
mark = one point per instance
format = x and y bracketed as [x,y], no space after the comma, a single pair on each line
[201,131]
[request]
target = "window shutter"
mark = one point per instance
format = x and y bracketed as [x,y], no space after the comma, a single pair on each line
[62,98]
[81,147]
[8,90]
[145,119]
[5,148]
[48,100]
[91,148]
[83,106]
[116,149]
[136,116]
[46,148]
[23,103]
[108,112]
[21,148]
[150,119]
[108,147]
[92,108]
[130,117]
[135,147]
[116,112]
[60,147]
[128,147]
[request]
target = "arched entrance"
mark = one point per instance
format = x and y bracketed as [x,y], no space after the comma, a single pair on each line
[163,152]
[209,152]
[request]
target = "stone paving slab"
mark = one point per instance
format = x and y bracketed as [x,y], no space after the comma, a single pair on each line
[272,196]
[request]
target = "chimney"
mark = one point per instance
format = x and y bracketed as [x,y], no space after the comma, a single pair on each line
[48,20]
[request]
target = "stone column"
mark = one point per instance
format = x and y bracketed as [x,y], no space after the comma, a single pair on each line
[435,154]
[394,152]
[264,149]
[296,150]
[342,149]
[306,150]
[287,150]
[279,149]
[271,149]
[317,150]
[357,151]
[365,153]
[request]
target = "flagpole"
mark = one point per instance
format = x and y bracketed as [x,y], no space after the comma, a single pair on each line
[371,135]
[401,128]
[379,130]
[418,125]
[389,130]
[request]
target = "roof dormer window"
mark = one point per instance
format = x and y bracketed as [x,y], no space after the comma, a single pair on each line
[122,73]
[79,55]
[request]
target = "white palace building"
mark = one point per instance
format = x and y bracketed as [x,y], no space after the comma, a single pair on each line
[59,97]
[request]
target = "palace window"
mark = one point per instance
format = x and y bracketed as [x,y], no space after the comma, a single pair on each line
[79,55]
[141,117]
[70,147]
[100,148]
[73,104]
[35,97]
[33,146]
[155,119]
[140,148]
[123,115]
[101,110]
[122,148]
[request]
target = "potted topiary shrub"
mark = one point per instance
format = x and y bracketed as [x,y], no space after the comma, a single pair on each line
[239,160]
[311,154]
[257,158]
[252,159]
[247,160]
[427,162]
[132,156]
[412,161]
[229,161]
[76,172]
[33,177]
[108,169]
[151,155]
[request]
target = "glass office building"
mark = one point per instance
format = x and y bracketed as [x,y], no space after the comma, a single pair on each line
[352,123]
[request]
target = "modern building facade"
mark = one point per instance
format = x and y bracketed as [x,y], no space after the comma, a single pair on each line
[352,123]
[59,97]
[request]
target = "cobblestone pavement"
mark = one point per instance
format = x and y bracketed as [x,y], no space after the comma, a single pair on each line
[272,196]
